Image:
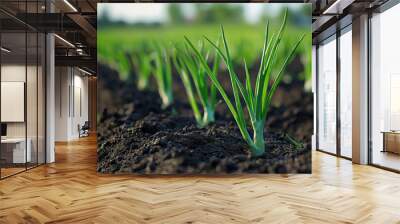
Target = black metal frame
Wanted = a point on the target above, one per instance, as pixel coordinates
(338, 76)
(44, 70)
(369, 115)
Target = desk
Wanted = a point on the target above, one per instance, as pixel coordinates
(391, 141)
(16, 147)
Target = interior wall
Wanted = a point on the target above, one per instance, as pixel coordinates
(71, 102)
(32, 127)
(92, 88)
(80, 102)
(15, 73)
(62, 81)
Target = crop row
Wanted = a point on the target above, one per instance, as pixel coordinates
(198, 65)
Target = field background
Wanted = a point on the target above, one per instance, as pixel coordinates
(244, 38)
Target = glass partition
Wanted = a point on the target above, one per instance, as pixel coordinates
(13, 109)
(327, 95)
(22, 77)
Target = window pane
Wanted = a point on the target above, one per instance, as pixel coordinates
(345, 94)
(385, 114)
(327, 96)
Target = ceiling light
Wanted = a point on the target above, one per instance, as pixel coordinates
(5, 50)
(330, 8)
(79, 51)
(84, 71)
(64, 40)
(70, 5)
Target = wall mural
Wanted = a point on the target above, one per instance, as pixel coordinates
(187, 88)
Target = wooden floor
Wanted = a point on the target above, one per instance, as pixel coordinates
(10, 171)
(386, 159)
(70, 191)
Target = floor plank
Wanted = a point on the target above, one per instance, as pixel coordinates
(70, 191)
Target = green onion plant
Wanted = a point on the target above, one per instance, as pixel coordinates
(191, 71)
(122, 64)
(163, 75)
(244, 49)
(257, 99)
(143, 69)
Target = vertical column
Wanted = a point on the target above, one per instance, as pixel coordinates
(50, 92)
(360, 90)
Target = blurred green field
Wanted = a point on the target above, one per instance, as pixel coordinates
(127, 37)
(245, 40)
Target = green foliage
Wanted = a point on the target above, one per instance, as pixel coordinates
(217, 13)
(117, 59)
(163, 75)
(122, 64)
(244, 50)
(191, 71)
(141, 61)
(105, 18)
(306, 57)
(143, 69)
(175, 13)
(256, 101)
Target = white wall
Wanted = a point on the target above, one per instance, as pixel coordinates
(15, 72)
(62, 82)
(80, 94)
(33, 126)
(70, 83)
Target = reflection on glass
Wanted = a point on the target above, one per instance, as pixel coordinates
(15, 151)
(22, 92)
(385, 84)
(346, 94)
(327, 96)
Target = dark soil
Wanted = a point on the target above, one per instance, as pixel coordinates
(292, 112)
(136, 136)
(169, 144)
